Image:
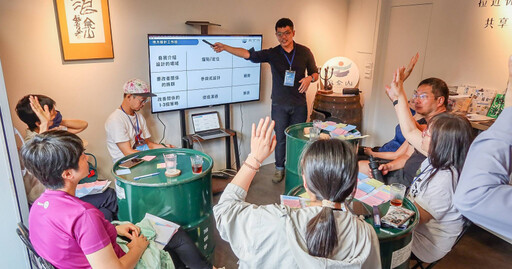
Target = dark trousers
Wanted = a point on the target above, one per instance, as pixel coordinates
(285, 116)
(106, 202)
(184, 252)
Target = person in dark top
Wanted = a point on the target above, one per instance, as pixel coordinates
(289, 62)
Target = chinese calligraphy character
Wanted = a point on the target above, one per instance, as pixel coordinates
(489, 23)
(89, 26)
(503, 22)
(85, 7)
(77, 20)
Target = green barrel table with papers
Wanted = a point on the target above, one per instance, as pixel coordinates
(296, 141)
(185, 199)
(395, 244)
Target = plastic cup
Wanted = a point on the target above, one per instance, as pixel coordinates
(397, 194)
(314, 133)
(197, 164)
(170, 164)
(317, 123)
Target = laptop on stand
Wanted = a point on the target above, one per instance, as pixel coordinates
(207, 125)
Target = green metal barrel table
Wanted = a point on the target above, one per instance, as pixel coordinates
(185, 199)
(296, 141)
(295, 144)
(395, 244)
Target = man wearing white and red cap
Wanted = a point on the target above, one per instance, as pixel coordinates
(127, 131)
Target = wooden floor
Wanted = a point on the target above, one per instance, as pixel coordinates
(477, 249)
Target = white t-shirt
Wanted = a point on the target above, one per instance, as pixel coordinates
(120, 127)
(434, 239)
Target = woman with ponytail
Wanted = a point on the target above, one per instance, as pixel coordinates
(319, 236)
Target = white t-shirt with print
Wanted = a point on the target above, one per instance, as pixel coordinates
(434, 239)
(120, 128)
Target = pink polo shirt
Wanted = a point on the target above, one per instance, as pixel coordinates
(63, 229)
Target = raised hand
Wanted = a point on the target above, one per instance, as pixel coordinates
(263, 142)
(411, 65)
(43, 114)
(396, 87)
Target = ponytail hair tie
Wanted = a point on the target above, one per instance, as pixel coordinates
(327, 203)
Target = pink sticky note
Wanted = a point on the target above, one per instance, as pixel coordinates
(382, 195)
(330, 123)
(337, 131)
(148, 158)
(372, 201)
(359, 194)
(292, 203)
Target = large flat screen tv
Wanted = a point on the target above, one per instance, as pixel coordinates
(185, 72)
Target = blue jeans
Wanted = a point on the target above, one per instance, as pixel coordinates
(285, 116)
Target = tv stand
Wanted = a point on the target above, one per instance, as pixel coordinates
(187, 141)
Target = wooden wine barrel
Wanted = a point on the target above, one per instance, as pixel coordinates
(339, 108)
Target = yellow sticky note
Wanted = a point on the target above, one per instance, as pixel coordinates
(374, 182)
(160, 166)
(304, 195)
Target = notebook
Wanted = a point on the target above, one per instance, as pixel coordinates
(207, 125)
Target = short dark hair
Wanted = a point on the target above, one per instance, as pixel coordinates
(330, 169)
(49, 154)
(25, 112)
(439, 88)
(283, 22)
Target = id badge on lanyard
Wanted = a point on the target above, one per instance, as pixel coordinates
(289, 75)
(289, 78)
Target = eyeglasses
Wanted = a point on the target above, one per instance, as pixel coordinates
(142, 100)
(425, 133)
(280, 34)
(422, 96)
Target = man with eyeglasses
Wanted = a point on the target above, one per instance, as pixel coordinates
(127, 131)
(429, 99)
(289, 62)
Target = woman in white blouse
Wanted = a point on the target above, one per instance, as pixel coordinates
(445, 142)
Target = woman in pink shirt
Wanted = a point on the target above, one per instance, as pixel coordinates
(71, 233)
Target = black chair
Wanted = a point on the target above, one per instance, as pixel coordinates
(37, 261)
(419, 263)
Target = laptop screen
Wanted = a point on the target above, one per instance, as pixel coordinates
(205, 121)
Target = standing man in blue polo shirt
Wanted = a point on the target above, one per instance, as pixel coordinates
(288, 63)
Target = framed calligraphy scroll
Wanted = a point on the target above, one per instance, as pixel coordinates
(84, 27)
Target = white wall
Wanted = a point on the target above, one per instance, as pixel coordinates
(91, 90)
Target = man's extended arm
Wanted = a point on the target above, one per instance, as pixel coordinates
(240, 52)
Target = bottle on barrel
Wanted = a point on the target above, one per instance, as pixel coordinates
(376, 173)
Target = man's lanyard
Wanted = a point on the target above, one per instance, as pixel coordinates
(136, 120)
(288, 59)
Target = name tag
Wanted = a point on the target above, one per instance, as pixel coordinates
(289, 78)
